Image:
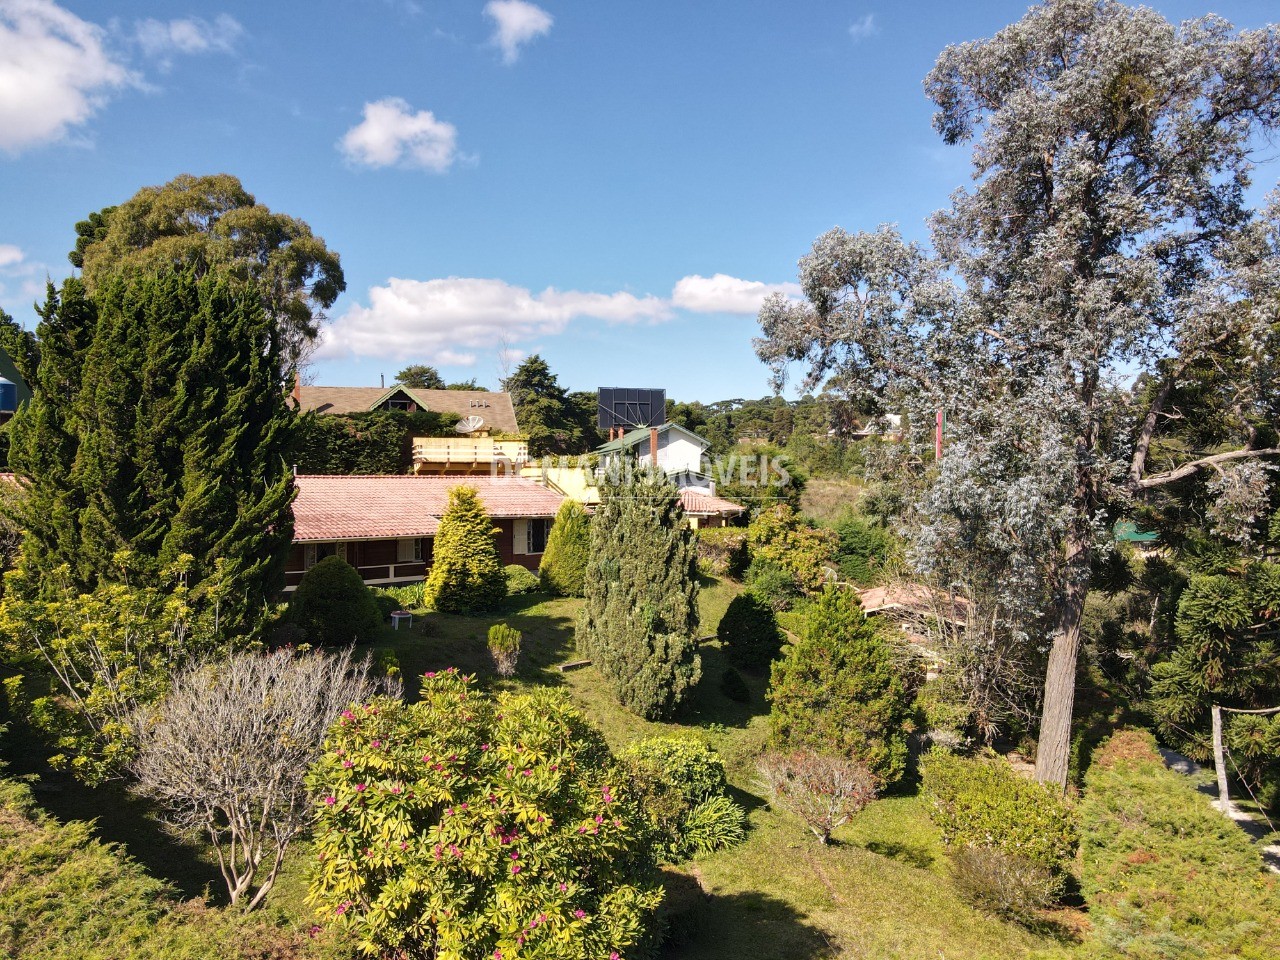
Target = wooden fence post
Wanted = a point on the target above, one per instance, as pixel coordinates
(1220, 761)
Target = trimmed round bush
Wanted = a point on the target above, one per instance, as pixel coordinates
(334, 606)
(749, 632)
(520, 579)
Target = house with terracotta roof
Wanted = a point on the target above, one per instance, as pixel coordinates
(385, 525)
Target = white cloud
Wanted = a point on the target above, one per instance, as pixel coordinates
(515, 24)
(863, 27)
(10, 255)
(392, 134)
(448, 319)
(160, 38)
(725, 294)
(55, 72)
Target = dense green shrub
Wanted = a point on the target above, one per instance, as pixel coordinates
(1165, 874)
(564, 562)
(749, 632)
(787, 539)
(734, 687)
(65, 894)
(681, 786)
(982, 802)
(776, 586)
(863, 548)
(836, 689)
(409, 596)
(723, 551)
(640, 619)
(377, 441)
(504, 647)
(520, 579)
(466, 571)
(334, 606)
(472, 827)
(387, 603)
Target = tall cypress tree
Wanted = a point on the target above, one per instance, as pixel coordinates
(641, 612)
(159, 425)
(44, 436)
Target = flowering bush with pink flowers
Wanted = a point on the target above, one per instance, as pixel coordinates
(465, 827)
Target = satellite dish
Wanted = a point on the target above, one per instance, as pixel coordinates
(469, 424)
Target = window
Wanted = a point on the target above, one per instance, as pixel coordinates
(537, 535)
(313, 553)
(409, 550)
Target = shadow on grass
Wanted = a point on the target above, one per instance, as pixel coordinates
(914, 855)
(708, 926)
(707, 705)
(117, 816)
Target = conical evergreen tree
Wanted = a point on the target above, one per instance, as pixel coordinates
(466, 569)
(836, 689)
(564, 563)
(641, 613)
(159, 425)
(44, 436)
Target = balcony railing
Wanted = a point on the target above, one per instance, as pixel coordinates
(467, 452)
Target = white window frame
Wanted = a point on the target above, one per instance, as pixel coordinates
(409, 550)
(546, 535)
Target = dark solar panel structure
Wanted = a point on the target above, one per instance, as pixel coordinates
(629, 408)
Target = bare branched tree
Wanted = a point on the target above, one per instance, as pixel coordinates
(824, 791)
(227, 752)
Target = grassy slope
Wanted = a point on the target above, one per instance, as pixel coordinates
(881, 892)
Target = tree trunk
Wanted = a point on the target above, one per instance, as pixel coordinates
(1053, 751)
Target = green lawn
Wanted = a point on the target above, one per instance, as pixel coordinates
(881, 891)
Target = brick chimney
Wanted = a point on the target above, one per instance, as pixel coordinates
(653, 446)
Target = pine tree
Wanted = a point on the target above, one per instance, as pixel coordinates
(466, 572)
(552, 422)
(836, 689)
(158, 425)
(564, 564)
(641, 612)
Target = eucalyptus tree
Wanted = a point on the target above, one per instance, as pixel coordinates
(1106, 234)
(212, 222)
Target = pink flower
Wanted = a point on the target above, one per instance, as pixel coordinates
(515, 854)
(515, 868)
(376, 744)
(330, 801)
(484, 746)
(528, 773)
(347, 764)
(497, 955)
(614, 955)
(361, 788)
(429, 674)
(564, 887)
(579, 913)
(347, 715)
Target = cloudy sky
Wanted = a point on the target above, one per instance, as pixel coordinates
(615, 185)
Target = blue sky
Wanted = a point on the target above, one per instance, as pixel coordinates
(612, 185)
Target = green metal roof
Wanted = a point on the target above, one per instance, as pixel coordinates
(641, 435)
